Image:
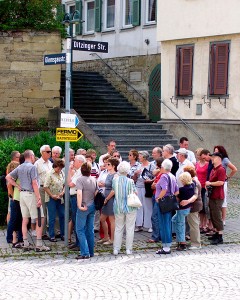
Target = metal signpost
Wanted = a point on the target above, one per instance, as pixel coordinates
(68, 133)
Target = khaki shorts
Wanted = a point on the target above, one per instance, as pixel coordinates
(28, 205)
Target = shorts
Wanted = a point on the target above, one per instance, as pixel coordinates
(28, 205)
(9, 206)
(225, 187)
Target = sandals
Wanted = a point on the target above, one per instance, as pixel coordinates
(53, 240)
(151, 241)
(102, 241)
(161, 251)
(108, 243)
(18, 245)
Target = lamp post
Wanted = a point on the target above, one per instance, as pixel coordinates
(69, 20)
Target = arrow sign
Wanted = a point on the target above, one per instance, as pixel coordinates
(68, 134)
(91, 46)
(69, 120)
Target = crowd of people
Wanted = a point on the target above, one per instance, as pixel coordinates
(36, 189)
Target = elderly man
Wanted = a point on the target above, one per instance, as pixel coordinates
(56, 153)
(216, 196)
(182, 155)
(111, 146)
(30, 199)
(184, 143)
(44, 165)
(168, 152)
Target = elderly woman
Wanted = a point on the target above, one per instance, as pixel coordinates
(54, 187)
(134, 164)
(178, 220)
(144, 214)
(125, 216)
(167, 185)
(193, 217)
(86, 189)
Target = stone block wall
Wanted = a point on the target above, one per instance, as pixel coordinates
(28, 89)
(134, 69)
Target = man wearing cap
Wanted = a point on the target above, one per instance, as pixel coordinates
(182, 155)
(216, 197)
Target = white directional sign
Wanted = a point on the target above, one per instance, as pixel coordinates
(69, 120)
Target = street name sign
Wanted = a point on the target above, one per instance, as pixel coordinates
(55, 59)
(68, 134)
(69, 120)
(91, 46)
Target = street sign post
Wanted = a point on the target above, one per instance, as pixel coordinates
(69, 120)
(55, 59)
(90, 46)
(68, 134)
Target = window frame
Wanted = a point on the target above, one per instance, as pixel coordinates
(214, 91)
(85, 11)
(180, 74)
(123, 14)
(104, 16)
(147, 8)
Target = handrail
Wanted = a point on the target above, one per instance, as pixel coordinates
(184, 122)
(119, 76)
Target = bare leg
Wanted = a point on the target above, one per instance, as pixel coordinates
(104, 226)
(112, 222)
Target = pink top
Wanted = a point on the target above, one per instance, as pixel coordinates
(202, 173)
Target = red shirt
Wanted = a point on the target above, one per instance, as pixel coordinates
(202, 172)
(217, 174)
(156, 181)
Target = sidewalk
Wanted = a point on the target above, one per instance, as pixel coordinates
(231, 233)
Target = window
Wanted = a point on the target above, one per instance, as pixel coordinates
(218, 68)
(184, 71)
(131, 13)
(150, 11)
(89, 17)
(109, 14)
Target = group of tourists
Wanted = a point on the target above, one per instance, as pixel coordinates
(36, 189)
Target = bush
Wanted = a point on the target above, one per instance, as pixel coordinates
(34, 143)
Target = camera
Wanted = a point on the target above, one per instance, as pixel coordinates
(209, 190)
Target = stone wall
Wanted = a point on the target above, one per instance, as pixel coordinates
(28, 88)
(134, 69)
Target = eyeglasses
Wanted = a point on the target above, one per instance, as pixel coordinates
(49, 151)
(116, 156)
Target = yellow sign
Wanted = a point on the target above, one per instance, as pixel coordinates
(68, 134)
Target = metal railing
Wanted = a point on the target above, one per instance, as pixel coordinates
(190, 127)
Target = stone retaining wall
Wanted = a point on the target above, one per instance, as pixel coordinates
(28, 88)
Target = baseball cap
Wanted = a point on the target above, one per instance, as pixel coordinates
(216, 154)
(181, 151)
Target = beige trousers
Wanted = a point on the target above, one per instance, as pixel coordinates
(194, 222)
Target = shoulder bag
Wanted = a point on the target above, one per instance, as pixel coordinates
(133, 200)
(168, 203)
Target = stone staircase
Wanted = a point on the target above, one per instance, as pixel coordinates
(111, 116)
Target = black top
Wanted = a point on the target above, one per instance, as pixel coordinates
(185, 193)
(175, 165)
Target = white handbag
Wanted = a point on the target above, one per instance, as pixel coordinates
(133, 200)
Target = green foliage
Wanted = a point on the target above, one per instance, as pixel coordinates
(30, 14)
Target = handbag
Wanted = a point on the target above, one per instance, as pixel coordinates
(147, 175)
(133, 200)
(168, 203)
(99, 200)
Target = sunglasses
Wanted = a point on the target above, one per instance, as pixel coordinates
(48, 151)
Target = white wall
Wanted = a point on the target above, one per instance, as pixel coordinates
(179, 19)
(200, 79)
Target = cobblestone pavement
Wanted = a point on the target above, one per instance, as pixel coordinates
(210, 273)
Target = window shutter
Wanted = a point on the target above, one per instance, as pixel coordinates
(178, 55)
(60, 12)
(221, 69)
(136, 12)
(78, 27)
(212, 69)
(186, 65)
(98, 15)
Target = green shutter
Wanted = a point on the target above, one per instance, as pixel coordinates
(60, 12)
(136, 12)
(78, 28)
(98, 15)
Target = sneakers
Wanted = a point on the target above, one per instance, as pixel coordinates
(161, 251)
(181, 247)
(115, 252)
(217, 240)
(150, 230)
(42, 248)
(195, 248)
(128, 252)
(138, 228)
(213, 237)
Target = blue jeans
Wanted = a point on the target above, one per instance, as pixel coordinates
(165, 226)
(155, 221)
(179, 225)
(73, 200)
(85, 230)
(53, 207)
(10, 224)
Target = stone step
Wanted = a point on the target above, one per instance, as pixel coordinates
(123, 126)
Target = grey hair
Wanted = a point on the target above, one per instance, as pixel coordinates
(167, 164)
(79, 151)
(123, 167)
(57, 148)
(169, 148)
(144, 153)
(80, 158)
(43, 148)
(158, 149)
